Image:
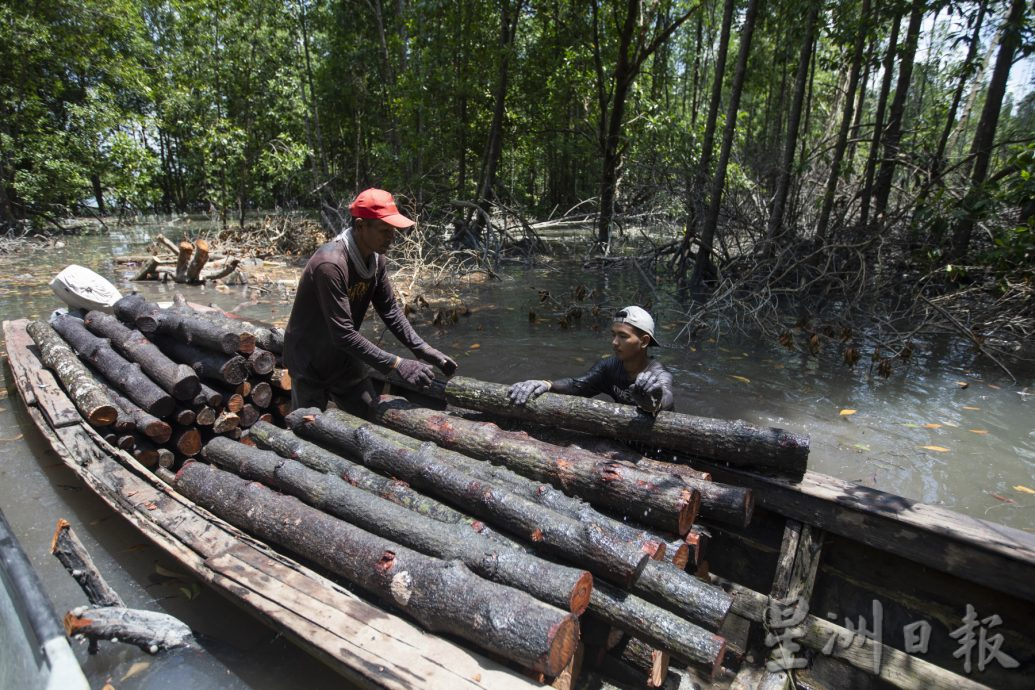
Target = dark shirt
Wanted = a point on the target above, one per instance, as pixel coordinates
(609, 376)
(322, 342)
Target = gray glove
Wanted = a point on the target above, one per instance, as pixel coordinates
(432, 356)
(647, 392)
(415, 373)
(522, 392)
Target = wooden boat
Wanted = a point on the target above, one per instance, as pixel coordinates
(844, 553)
(35, 652)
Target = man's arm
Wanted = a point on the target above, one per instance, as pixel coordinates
(392, 314)
(587, 385)
(331, 284)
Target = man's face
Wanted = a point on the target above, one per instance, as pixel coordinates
(625, 341)
(373, 235)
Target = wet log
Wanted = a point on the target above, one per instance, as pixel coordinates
(657, 627)
(187, 442)
(653, 663)
(216, 366)
(674, 467)
(154, 428)
(444, 596)
(91, 401)
(732, 441)
(663, 501)
(225, 422)
(150, 631)
(681, 592)
(149, 318)
(248, 415)
(67, 548)
(261, 361)
(280, 379)
(184, 251)
(205, 416)
(287, 445)
(430, 469)
(197, 261)
(261, 395)
(127, 377)
(562, 586)
(179, 380)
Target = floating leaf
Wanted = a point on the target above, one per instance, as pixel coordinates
(137, 667)
(954, 425)
(742, 379)
(936, 449)
(962, 384)
(846, 412)
(475, 346)
(1004, 499)
(860, 446)
(993, 386)
(911, 425)
(1023, 489)
(932, 425)
(970, 407)
(980, 432)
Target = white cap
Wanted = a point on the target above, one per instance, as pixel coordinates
(638, 317)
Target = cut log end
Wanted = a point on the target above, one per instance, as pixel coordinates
(681, 556)
(563, 640)
(105, 415)
(689, 512)
(62, 525)
(580, 594)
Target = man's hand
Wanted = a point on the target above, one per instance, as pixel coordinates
(415, 373)
(522, 392)
(647, 392)
(432, 356)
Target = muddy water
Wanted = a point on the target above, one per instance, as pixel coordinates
(987, 431)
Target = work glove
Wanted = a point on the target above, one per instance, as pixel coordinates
(430, 355)
(647, 392)
(415, 373)
(522, 392)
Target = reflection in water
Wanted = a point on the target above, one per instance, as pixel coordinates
(986, 428)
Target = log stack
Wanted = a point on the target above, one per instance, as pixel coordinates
(501, 539)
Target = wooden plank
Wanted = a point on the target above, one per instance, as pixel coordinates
(363, 642)
(992, 555)
(30, 375)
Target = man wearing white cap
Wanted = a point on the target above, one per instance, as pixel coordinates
(324, 351)
(629, 376)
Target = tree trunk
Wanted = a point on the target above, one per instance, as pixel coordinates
(555, 584)
(229, 369)
(655, 499)
(198, 260)
(878, 123)
(735, 442)
(183, 261)
(179, 380)
(125, 375)
(702, 266)
(984, 136)
(430, 469)
(783, 184)
(444, 596)
(893, 132)
(841, 144)
(151, 319)
(91, 401)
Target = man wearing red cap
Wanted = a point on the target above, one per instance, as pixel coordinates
(323, 348)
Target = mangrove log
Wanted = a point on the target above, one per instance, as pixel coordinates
(91, 401)
(205, 416)
(261, 361)
(653, 663)
(560, 585)
(261, 395)
(124, 375)
(184, 251)
(151, 319)
(178, 379)
(207, 395)
(248, 415)
(663, 501)
(734, 441)
(150, 631)
(280, 379)
(187, 442)
(225, 422)
(71, 553)
(216, 366)
(444, 596)
(429, 469)
(155, 429)
(197, 262)
(270, 339)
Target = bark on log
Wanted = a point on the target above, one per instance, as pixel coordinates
(65, 545)
(664, 501)
(287, 445)
(546, 495)
(178, 379)
(262, 361)
(91, 401)
(198, 261)
(653, 663)
(216, 366)
(684, 594)
(150, 319)
(562, 586)
(270, 339)
(603, 553)
(444, 596)
(150, 631)
(208, 396)
(124, 375)
(732, 441)
(656, 626)
(681, 470)
(184, 251)
(261, 395)
(154, 428)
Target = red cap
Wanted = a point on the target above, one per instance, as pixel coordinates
(377, 203)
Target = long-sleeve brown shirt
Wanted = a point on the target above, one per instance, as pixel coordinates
(322, 342)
